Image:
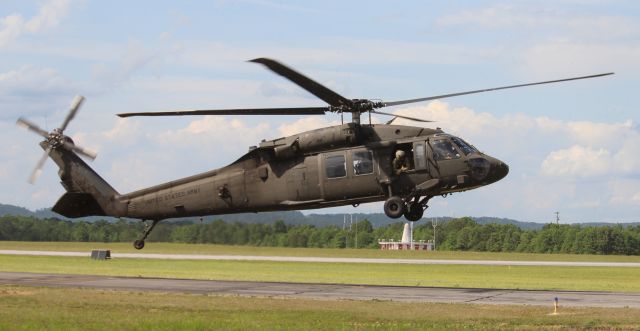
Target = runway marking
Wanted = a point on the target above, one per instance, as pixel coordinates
(329, 259)
(328, 291)
(488, 297)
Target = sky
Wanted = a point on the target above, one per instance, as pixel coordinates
(572, 147)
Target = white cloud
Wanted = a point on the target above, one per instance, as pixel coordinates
(305, 124)
(577, 161)
(124, 130)
(12, 26)
(624, 192)
(602, 149)
(31, 90)
(49, 15)
(29, 80)
(554, 57)
(213, 136)
(558, 148)
(600, 134)
(554, 39)
(134, 58)
(534, 17)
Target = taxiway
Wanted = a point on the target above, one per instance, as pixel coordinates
(328, 291)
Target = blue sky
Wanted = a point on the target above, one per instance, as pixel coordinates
(571, 147)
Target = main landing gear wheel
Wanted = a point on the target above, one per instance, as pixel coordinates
(413, 212)
(394, 207)
(138, 244)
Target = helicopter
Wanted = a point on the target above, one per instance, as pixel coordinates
(346, 164)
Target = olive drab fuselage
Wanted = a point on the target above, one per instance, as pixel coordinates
(333, 166)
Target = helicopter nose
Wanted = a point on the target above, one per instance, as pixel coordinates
(499, 169)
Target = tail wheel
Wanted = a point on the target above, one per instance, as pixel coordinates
(394, 207)
(413, 212)
(138, 244)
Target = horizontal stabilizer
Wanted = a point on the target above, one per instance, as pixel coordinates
(75, 205)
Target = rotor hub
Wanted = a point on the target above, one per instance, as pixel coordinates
(55, 138)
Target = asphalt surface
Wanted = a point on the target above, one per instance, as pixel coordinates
(328, 259)
(328, 291)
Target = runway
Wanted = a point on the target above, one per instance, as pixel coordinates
(328, 291)
(328, 259)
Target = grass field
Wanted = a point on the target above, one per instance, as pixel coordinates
(32, 308)
(512, 277)
(171, 248)
(29, 308)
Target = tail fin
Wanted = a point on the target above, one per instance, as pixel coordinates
(87, 193)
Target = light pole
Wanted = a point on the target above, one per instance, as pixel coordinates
(411, 234)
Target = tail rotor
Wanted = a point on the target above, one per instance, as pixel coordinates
(56, 138)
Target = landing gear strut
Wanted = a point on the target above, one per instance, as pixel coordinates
(415, 209)
(139, 244)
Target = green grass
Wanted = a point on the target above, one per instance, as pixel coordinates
(29, 308)
(172, 248)
(512, 277)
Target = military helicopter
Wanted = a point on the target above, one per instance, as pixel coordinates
(347, 164)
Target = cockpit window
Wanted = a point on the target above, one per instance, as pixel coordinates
(463, 145)
(444, 150)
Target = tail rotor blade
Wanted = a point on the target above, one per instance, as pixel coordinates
(75, 105)
(82, 151)
(32, 127)
(38, 169)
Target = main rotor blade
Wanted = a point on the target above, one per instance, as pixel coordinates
(248, 111)
(75, 105)
(38, 169)
(30, 126)
(82, 151)
(317, 89)
(402, 102)
(401, 116)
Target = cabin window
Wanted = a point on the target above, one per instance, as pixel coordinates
(336, 166)
(419, 157)
(444, 150)
(362, 163)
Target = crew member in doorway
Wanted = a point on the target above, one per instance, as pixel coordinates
(400, 163)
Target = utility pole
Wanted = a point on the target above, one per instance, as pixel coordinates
(557, 218)
(434, 223)
(344, 228)
(356, 231)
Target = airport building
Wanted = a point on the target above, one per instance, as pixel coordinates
(406, 243)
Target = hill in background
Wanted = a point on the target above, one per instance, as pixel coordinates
(296, 217)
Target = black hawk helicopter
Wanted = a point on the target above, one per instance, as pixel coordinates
(347, 164)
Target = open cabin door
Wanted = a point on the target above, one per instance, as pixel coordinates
(419, 156)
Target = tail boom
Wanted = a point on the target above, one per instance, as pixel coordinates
(88, 194)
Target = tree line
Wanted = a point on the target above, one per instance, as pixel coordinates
(462, 234)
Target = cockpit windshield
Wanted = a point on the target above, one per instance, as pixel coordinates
(463, 146)
(444, 150)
